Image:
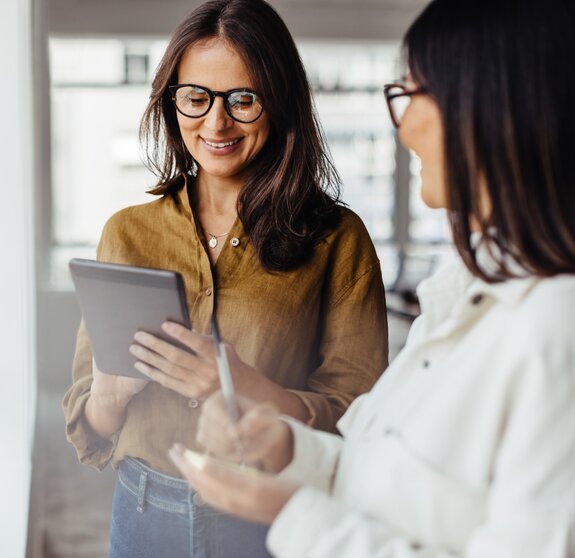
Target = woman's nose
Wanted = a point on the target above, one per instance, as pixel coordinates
(217, 118)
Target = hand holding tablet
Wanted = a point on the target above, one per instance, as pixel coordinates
(119, 300)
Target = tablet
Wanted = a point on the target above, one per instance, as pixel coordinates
(118, 300)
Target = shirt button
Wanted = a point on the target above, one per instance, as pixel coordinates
(208, 292)
(193, 403)
(235, 241)
(426, 364)
(477, 299)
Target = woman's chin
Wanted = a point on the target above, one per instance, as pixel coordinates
(431, 201)
(433, 194)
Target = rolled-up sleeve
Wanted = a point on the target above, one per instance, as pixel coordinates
(91, 448)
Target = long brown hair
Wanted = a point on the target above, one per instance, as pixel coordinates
(499, 72)
(290, 199)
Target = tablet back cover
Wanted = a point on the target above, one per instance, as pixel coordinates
(118, 300)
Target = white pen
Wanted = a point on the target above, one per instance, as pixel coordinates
(225, 374)
(226, 381)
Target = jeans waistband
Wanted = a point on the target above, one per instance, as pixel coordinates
(152, 487)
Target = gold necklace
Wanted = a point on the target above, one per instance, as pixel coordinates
(213, 240)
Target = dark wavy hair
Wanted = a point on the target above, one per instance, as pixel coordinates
(502, 75)
(289, 201)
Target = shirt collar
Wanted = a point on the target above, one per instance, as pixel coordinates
(184, 198)
(509, 291)
(439, 293)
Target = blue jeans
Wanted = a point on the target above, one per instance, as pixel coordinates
(157, 516)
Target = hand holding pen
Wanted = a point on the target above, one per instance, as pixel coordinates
(266, 439)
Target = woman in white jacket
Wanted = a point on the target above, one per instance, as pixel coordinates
(466, 446)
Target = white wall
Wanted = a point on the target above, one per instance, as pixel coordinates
(17, 368)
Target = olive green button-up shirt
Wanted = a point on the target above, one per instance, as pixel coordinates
(319, 330)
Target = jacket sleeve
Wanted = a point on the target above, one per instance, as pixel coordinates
(530, 510)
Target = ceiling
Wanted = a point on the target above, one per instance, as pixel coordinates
(344, 19)
(395, 4)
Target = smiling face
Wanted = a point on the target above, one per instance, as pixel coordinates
(222, 147)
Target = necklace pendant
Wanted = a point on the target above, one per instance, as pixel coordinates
(213, 242)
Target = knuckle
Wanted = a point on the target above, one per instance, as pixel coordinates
(206, 384)
(161, 379)
(169, 370)
(185, 335)
(172, 353)
(204, 346)
(153, 360)
(180, 359)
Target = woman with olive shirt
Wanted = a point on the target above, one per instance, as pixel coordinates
(245, 215)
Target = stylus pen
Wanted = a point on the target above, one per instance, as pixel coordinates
(225, 374)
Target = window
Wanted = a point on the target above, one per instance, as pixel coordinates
(100, 87)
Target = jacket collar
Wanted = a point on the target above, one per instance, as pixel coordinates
(454, 283)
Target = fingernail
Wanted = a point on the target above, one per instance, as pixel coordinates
(195, 459)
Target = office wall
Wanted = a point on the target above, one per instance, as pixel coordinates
(367, 19)
(17, 392)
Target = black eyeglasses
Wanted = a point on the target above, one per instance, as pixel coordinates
(195, 101)
(398, 97)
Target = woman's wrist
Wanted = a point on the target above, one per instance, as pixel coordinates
(258, 387)
(105, 413)
(282, 453)
(110, 401)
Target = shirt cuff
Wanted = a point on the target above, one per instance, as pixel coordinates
(90, 448)
(316, 455)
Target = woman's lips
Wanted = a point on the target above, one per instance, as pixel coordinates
(221, 146)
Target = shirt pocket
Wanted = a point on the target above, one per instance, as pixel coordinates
(386, 478)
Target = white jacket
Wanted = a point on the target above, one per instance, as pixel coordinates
(466, 445)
